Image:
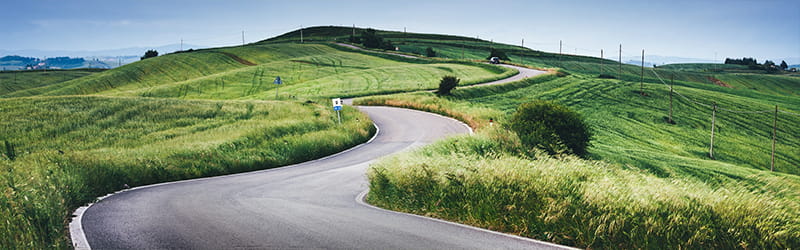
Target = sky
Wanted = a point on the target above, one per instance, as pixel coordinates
(763, 29)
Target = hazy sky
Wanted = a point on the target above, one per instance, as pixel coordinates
(764, 29)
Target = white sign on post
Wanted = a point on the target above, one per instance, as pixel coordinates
(337, 105)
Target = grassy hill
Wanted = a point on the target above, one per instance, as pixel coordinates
(641, 166)
(70, 136)
(308, 71)
(14, 81)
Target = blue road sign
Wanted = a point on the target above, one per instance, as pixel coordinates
(337, 108)
(278, 80)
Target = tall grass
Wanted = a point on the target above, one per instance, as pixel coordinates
(72, 149)
(13, 81)
(484, 180)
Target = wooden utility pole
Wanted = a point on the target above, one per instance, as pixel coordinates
(559, 51)
(521, 55)
(671, 82)
(619, 74)
(354, 30)
(641, 83)
(713, 123)
(301, 34)
(601, 62)
(462, 50)
(774, 137)
(242, 37)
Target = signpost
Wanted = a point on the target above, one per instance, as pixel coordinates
(279, 82)
(337, 105)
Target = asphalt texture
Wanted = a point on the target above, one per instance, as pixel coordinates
(310, 205)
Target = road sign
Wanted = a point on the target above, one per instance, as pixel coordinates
(278, 80)
(337, 105)
(337, 102)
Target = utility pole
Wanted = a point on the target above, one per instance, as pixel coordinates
(462, 49)
(713, 122)
(354, 30)
(671, 82)
(619, 75)
(521, 55)
(641, 83)
(774, 137)
(559, 51)
(601, 62)
(301, 33)
(242, 37)
(181, 44)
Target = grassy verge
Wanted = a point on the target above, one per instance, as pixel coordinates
(69, 150)
(484, 180)
(651, 184)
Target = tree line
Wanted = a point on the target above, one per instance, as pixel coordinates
(752, 63)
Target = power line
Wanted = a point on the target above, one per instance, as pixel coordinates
(718, 108)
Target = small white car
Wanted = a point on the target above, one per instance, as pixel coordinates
(494, 60)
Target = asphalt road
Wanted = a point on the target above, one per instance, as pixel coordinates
(308, 206)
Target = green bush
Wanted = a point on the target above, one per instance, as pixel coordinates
(429, 52)
(551, 127)
(447, 84)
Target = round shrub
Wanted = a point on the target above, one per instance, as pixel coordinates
(551, 127)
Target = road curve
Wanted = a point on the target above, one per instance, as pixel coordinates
(309, 205)
(523, 72)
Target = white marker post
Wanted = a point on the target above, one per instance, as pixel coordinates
(279, 82)
(337, 105)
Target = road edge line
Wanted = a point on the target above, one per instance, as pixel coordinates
(360, 199)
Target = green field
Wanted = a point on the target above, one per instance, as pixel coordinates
(73, 135)
(307, 70)
(13, 81)
(68, 150)
(640, 166)
(76, 135)
(638, 153)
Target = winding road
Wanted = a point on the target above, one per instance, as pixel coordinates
(312, 205)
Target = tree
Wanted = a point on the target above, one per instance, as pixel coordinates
(551, 127)
(370, 39)
(429, 52)
(499, 54)
(784, 66)
(447, 84)
(149, 54)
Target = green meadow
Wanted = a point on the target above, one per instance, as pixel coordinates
(64, 151)
(70, 136)
(646, 184)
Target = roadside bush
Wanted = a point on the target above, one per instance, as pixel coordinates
(429, 52)
(447, 84)
(551, 127)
